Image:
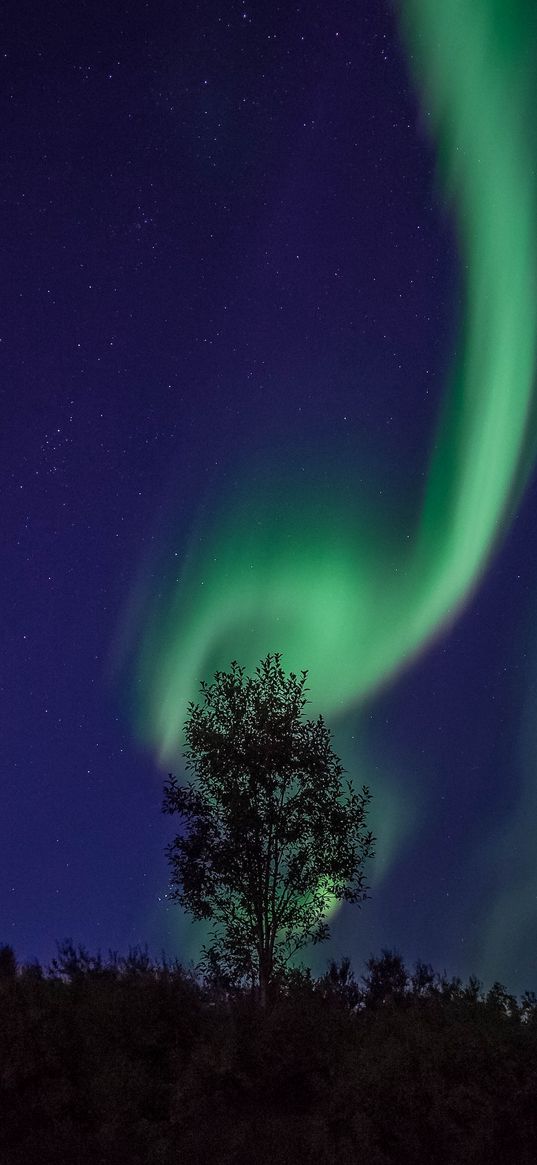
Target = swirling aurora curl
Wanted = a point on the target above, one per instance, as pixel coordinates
(349, 599)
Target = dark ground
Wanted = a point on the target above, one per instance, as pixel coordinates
(129, 1060)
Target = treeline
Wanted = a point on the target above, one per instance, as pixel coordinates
(132, 1060)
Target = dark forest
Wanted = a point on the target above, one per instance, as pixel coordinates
(128, 1059)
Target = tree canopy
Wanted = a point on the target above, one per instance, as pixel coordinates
(274, 836)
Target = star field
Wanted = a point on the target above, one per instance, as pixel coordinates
(221, 236)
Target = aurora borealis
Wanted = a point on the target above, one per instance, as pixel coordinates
(298, 570)
(295, 568)
(279, 307)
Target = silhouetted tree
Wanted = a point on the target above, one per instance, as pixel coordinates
(274, 835)
(339, 984)
(8, 962)
(387, 980)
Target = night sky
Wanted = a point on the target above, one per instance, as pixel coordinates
(233, 284)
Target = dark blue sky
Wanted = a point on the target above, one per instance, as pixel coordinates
(211, 216)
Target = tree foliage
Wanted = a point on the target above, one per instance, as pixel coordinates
(128, 1059)
(274, 835)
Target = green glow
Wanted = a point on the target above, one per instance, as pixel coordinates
(505, 927)
(334, 586)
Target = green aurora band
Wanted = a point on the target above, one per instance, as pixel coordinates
(299, 568)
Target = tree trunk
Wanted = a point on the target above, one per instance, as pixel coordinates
(265, 974)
